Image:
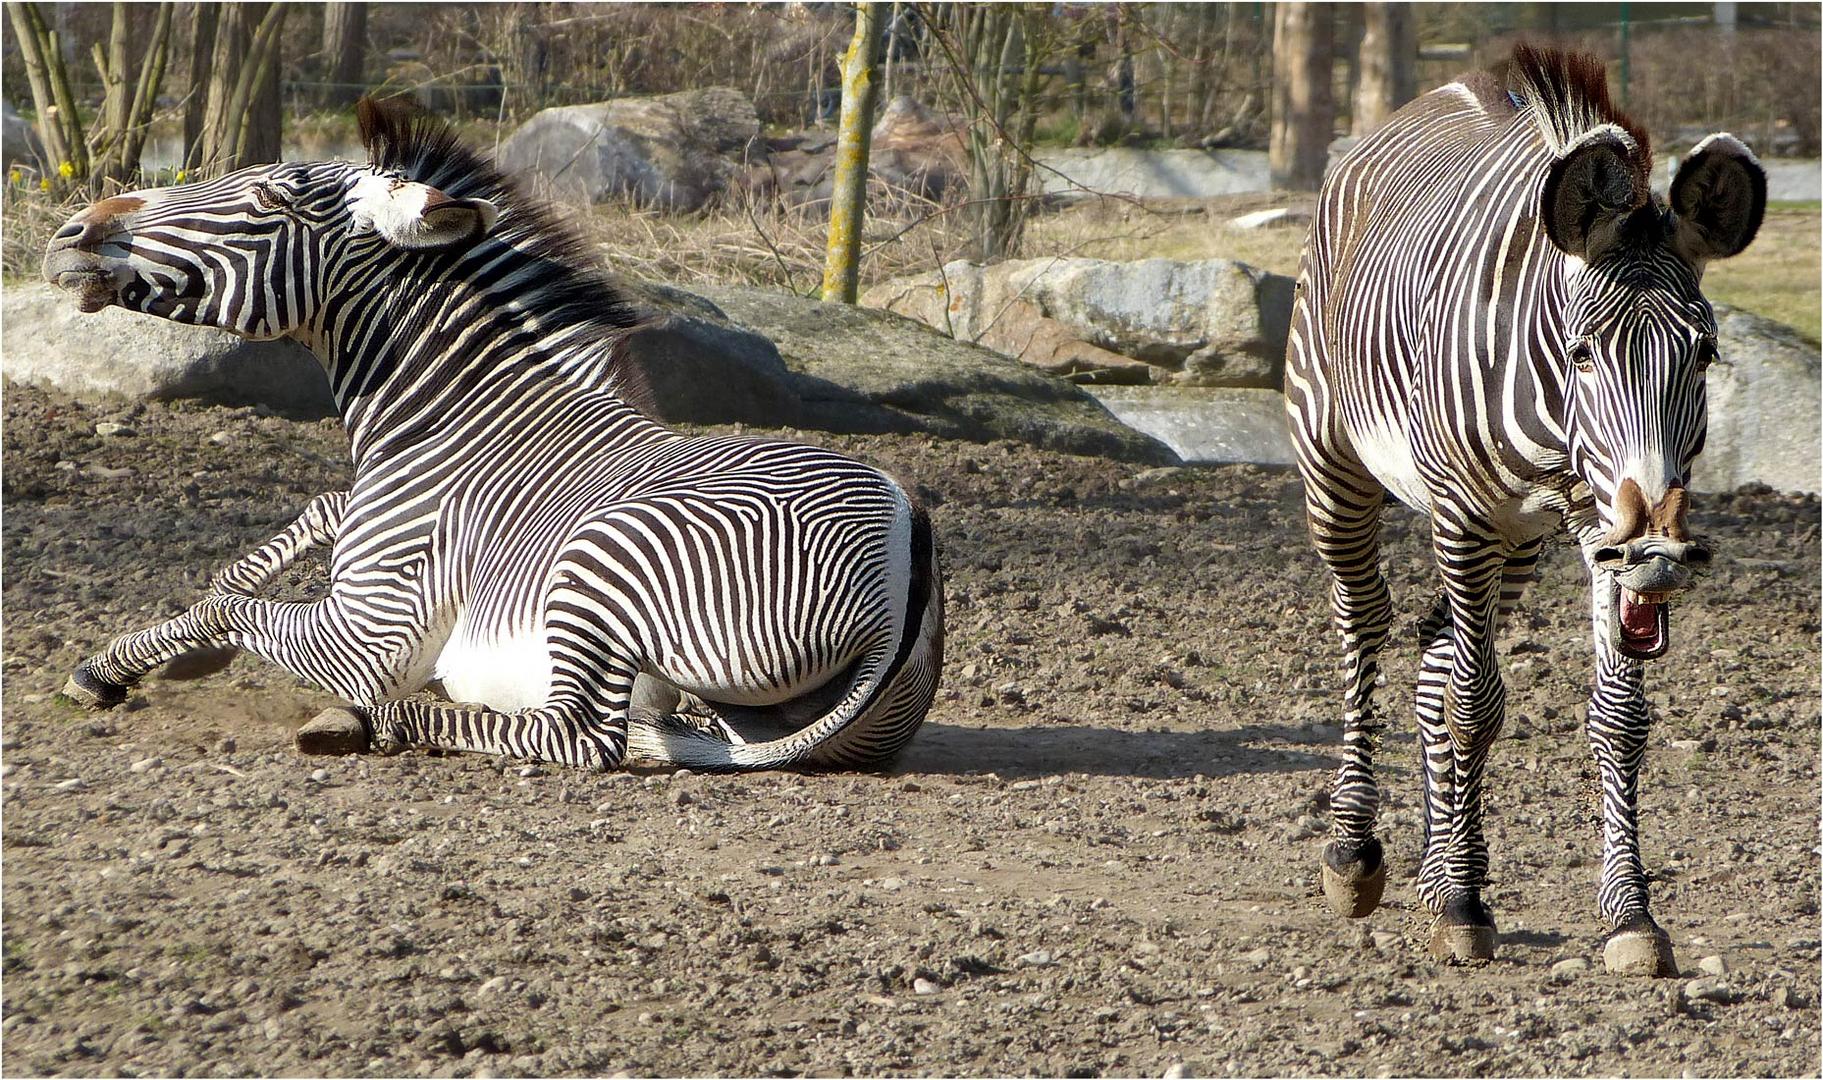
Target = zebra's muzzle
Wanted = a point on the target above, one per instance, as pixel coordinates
(1644, 575)
(84, 274)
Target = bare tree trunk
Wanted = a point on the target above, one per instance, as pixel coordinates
(204, 19)
(243, 78)
(1388, 66)
(126, 112)
(854, 137)
(1303, 114)
(28, 27)
(344, 53)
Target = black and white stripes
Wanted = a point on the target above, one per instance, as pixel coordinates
(518, 531)
(1499, 323)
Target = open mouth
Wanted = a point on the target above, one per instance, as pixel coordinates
(1642, 623)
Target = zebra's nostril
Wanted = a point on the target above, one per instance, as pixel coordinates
(69, 232)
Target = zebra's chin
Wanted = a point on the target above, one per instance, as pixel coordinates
(94, 289)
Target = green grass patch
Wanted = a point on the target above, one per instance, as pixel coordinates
(1780, 275)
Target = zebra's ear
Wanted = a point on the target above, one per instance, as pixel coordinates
(418, 217)
(1719, 197)
(1590, 190)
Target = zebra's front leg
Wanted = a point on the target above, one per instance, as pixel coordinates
(319, 523)
(1618, 723)
(359, 651)
(1462, 705)
(1346, 536)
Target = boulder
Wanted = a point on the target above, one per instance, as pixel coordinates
(912, 154)
(45, 340)
(1071, 173)
(675, 151)
(1210, 322)
(1206, 425)
(858, 370)
(18, 140)
(1764, 417)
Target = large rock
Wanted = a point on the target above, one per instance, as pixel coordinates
(1150, 174)
(862, 371)
(1207, 425)
(676, 151)
(1210, 322)
(912, 155)
(44, 339)
(1764, 420)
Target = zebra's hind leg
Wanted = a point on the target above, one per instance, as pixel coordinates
(1344, 507)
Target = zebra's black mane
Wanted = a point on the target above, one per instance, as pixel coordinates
(1568, 93)
(401, 138)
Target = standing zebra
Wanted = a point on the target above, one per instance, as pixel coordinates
(1498, 322)
(517, 531)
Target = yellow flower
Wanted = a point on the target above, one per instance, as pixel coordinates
(44, 184)
(181, 175)
(66, 170)
(13, 177)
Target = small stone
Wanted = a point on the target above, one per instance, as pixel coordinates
(1036, 958)
(102, 472)
(227, 745)
(319, 776)
(892, 884)
(109, 427)
(1383, 939)
(680, 797)
(75, 783)
(1713, 965)
(221, 438)
(493, 985)
(146, 764)
(1574, 965)
(526, 772)
(1709, 988)
(924, 986)
(1177, 1071)
(826, 859)
(1258, 958)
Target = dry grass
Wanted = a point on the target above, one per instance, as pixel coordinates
(26, 225)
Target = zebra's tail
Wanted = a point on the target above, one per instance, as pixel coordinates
(875, 717)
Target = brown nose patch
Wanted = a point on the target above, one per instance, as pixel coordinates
(114, 207)
(1634, 519)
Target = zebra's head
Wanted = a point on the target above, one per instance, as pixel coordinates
(254, 251)
(1638, 338)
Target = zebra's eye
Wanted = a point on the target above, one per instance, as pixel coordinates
(1582, 354)
(1705, 353)
(266, 197)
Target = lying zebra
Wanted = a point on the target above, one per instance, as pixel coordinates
(517, 530)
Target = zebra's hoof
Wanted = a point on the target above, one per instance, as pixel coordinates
(1463, 944)
(1464, 932)
(334, 731)
(1354, 880)
(1639, 948)
(92, 693)
(199, 662)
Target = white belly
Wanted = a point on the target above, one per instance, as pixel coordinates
(502, 671)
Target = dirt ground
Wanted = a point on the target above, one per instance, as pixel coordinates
(1100, 856)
